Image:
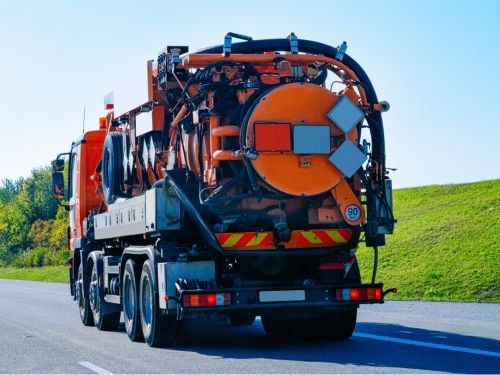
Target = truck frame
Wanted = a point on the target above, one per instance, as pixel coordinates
(163, 229)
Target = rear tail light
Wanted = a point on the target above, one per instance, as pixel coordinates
(359, 294)
(206, 300)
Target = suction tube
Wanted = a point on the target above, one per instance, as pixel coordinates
(307, 46)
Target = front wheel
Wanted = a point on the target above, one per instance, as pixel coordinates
(157, 329)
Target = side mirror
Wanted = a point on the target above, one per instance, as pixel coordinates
(58, 184)
(58, 165)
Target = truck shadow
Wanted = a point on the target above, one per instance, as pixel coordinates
(220, 339)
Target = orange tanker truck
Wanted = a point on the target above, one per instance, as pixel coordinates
(241, 187)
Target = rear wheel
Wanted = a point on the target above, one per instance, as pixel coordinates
(103, 322)
(131, 302)
(83, 303)
(158, 330)
(338, 325)
(242, 320)
(279, 327)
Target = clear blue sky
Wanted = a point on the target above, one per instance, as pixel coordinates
(436, 62)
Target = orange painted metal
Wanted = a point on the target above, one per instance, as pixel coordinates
(300, 239)
(86, 196)
(214, 140)
(221, 155)
(158, 117)
(346, 200)
(226, 131)
(299, 104)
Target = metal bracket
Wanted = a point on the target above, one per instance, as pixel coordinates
(294, 43)
(341, 51)
(228, 42)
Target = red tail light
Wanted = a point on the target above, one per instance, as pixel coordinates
(354, 294)
(206, 300)
(359, 294)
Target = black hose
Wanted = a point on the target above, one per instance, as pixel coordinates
(375, 263)
(307, 46)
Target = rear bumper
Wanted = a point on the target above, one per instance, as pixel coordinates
(261, 301)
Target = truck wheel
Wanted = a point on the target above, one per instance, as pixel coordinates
(131, 302)
(342, 324)
(157, 329)
(103, 322)
(83, 303)
(242, 320)
(339, 325)
(112, 167)
(278, 327)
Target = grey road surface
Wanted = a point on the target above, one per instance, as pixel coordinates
(40, 332)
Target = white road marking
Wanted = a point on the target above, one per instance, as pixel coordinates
(92, 367)
(426, 344)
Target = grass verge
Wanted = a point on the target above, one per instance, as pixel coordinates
(446, 245)
(57, 274)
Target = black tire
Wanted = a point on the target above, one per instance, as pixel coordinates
(112, 167)
(242, 320)
(130, 300)
(279, 327)
(103, 322)
(157, 330)
(338, 325)
(83, 303)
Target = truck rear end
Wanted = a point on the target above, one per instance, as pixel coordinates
(241, 187)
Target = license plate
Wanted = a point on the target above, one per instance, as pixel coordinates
(282, 296)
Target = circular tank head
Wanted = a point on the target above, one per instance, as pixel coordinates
(290, 129)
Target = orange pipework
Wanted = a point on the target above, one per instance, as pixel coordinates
(201, 60)
(226, 131)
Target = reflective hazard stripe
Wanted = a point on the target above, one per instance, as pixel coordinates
(248, 239)
(315, 238)
(324, 237)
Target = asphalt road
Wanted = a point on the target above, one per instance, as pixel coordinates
(40, 332)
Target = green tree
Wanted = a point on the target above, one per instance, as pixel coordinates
(10, 189)
(14, 227)
(36, 199)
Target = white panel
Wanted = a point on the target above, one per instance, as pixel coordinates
(311, 139)
(131, 88)
(282, 296)
(348, 158)
(144, 123)
(345, 114)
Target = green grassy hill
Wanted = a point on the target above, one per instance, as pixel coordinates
(446, 245)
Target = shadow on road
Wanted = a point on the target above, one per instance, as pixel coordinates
(220, 339)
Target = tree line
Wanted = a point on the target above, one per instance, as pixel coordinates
(33, 227)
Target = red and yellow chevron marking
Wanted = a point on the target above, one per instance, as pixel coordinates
(323, 237)
(316, 238)
(246, 240)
